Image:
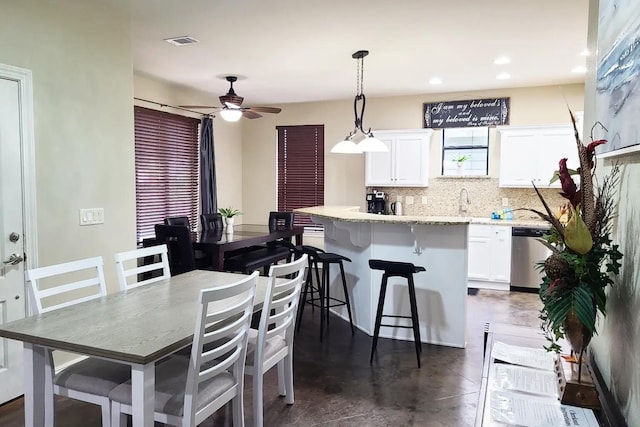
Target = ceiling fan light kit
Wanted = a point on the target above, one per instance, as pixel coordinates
(231, 114)
(370, 143)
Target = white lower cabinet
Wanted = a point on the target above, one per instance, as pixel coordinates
(489, 256)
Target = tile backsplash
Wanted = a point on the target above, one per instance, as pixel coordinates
(442, 197)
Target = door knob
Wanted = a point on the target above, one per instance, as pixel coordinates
(14, 259)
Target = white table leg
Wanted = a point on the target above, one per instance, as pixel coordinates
(34, 386)
(143, 385)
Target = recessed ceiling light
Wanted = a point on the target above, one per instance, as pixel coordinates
(503, 76)
(182, 40)
(585, 52)
(435, 81)
(501, 60)
(579, 69)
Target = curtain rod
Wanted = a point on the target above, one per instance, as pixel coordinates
(171, 106)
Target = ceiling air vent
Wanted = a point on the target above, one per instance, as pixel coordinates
(181, 41)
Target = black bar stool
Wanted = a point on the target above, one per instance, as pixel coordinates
(397, 269)
(318, 256)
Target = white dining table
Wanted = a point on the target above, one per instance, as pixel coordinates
(136, 327)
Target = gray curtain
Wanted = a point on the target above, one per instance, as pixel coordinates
(208, 191)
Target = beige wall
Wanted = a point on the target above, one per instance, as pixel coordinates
(344, 174)
(616, 348)
(80, 56)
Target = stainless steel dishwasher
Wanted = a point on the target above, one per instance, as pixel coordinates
(526, 251)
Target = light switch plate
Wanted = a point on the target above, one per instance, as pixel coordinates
(91, 216)
(424, 200)
(505, 202)
(408, 200)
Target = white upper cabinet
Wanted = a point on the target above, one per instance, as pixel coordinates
(532, 153)
(405, 165)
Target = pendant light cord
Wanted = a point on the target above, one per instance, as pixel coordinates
(360, 98)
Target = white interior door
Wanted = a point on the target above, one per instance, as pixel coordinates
(12, 246)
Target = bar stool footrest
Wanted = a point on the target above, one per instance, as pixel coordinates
(396, 326)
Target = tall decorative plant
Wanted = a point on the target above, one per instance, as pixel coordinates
(583, 256)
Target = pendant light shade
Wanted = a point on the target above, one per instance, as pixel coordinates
(369, 143)
(346, 146)
(230, 114)
(372, 144)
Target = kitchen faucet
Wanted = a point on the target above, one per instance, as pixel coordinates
(463, 203)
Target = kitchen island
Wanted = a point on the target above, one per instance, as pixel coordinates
(437, 243)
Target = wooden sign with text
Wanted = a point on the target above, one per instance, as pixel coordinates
(469, 113)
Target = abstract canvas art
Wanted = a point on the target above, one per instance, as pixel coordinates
(618, 75)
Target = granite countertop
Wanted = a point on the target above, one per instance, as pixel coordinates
(353, 214)
(525, 222)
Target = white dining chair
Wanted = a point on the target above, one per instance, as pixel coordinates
(56, 287)
(190, 389)
(129, 270)
(272, 342)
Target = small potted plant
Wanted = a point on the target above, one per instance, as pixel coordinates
(460, 162)
(228, 214)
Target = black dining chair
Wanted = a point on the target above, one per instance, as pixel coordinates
(178, 220)
(211, 222)
(263, 256)
(178, 241)
(203, 259)
(280, 221)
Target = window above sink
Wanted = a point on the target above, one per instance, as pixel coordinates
(465, 151)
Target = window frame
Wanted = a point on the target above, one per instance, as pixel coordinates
(462, 148)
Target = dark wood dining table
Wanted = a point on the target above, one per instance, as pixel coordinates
(217, 243)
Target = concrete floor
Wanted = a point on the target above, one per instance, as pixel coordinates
(336, 386)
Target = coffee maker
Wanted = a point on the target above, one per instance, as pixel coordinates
(377, 202)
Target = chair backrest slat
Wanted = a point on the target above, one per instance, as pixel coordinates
(155, 271)
(65, 286)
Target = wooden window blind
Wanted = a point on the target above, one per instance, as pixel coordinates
(166, 156)
(300, 169)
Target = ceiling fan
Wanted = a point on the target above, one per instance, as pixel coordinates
(231, 109)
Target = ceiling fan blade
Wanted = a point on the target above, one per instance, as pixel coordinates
(251, 115)
(274, 110)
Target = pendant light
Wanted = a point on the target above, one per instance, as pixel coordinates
(369, 143)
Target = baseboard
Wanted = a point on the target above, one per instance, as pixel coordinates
(494, 286)
(610, 409)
